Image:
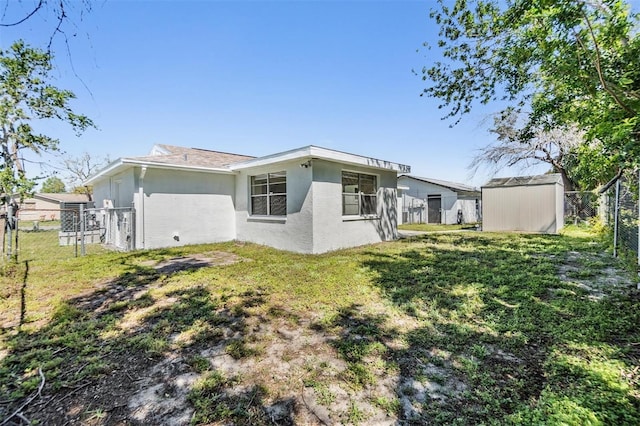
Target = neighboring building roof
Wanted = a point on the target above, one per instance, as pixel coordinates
(62, 197)
(454, 186)
(175, 157)
(552, 178)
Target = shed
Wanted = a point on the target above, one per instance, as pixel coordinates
(524, 203)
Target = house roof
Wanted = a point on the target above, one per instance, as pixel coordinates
(62, 197)
(454, 186)
(175, 157)
(178, 155)
(552, 178)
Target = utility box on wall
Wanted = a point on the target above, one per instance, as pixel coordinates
(524, 204)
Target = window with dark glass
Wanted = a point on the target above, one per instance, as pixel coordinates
(269, 194)
(359, 194)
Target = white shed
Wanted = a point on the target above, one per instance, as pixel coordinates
(524, 203)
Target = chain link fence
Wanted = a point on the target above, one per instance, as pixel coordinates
(617, 208)
(623, 214)
(37, 230)
(114, 227)
(580, 206)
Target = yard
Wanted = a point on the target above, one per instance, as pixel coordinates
(449, 328)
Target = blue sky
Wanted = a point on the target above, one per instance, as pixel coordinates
(257, 78)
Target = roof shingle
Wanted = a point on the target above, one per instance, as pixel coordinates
(181, 156)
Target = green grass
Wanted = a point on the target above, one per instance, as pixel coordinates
(29, 224)
(483, 317)
(435, 227)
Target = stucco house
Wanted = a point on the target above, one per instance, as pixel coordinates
(307, 200)
(49, 206)
(427, 200)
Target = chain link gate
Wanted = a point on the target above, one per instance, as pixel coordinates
(114, 227)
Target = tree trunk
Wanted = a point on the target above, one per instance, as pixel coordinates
(566, 180)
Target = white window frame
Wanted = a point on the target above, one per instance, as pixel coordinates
(268, 195)
(360, 194)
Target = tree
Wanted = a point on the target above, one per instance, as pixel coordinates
(53, 185)
(556, 147)
(25, 98)
(54, 15)
(560, 62)
(80, 168)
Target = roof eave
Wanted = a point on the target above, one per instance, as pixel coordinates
(314, 152)
(123, 164)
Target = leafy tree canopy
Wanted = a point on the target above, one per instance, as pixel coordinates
(557, 62)
(53, 185)
(27, 97)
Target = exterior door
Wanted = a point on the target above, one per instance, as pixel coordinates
(434, 206)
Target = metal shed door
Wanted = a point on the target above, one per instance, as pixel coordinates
(434, 204)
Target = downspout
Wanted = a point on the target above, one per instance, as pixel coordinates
(141, 195)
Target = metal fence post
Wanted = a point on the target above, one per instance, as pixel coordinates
(82, 230)
(615, 219)
(10, 222)
(132, 245)
(74, 228)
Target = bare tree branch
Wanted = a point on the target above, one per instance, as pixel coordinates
(519, 145)
(29, 15)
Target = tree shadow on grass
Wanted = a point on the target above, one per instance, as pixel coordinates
(494, 321)
(121, 354)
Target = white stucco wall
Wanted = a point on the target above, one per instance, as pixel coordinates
(314, 221)
(175, 208)
(181, 207)
(471, 209)
(119, 189)
(291, 232)
(333, 231)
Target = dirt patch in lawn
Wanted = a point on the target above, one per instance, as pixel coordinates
(197, 261)
(594, 275)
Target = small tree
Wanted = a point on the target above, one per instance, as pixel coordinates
(53, 185)
(25, 97)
